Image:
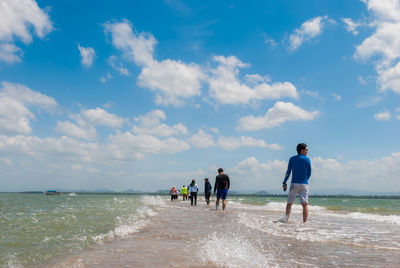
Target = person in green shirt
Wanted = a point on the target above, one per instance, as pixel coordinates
(184, 193)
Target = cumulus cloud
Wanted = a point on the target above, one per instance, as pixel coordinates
(351, 26)
(18, 19)
(87, 56)
(202, 139)
(389, 78)
(15, 115)
(384, 43)
(226, 88)
(151, 124)
(308, 30)
(72, 130)
(172, 81)
(232, 143)
(383, 116)
(10, 53)
(127, 145)
(86, 121)
(280, 113)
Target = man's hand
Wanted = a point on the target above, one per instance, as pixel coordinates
(284, 186)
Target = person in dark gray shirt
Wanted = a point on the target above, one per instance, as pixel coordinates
(222, 184)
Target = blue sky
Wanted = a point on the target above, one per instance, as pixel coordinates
(149, 94)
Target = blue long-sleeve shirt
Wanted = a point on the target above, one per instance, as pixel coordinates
(300, 166)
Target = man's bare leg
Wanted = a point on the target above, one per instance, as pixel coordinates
(305, 212)
(288, 210)
(223, 204)
(216, 204)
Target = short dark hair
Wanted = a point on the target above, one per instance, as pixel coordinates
(220, 170)
(301, 146)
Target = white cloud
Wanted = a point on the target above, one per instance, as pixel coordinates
(9, 53)
(125, 145)
(308, 30)
(151, 124)
(14, 102)
(351, 26)
(119, 67)
(389, 78)
(280, 113)
(383, 116)
(73, 130)
(384, 43)
(51, 149)
(100, 117)
(202, 139)
(87, 120)
(232, 143)
(226, 88)
(269, 41)
(137, 47)
(87, 56)
(173, 81)
(17, 20)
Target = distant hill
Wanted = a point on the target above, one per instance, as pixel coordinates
(131, 191)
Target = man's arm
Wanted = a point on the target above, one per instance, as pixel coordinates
(215, 185)
(288, 171)
(309, 169)
(229, 182)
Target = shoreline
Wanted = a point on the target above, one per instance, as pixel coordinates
(230, 194)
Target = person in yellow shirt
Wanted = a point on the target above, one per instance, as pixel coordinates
(184, 193)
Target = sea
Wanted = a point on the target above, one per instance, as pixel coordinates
(107, 230)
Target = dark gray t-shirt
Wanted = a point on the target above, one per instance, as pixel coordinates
(222, 182)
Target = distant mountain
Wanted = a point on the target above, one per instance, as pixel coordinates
(162, 192)
(131, 191)
(262, 193)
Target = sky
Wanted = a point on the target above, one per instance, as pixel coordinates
(147, 95)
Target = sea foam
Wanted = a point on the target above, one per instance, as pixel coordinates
(234, 251)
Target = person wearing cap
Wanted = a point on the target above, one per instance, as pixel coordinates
(207, 191)
(300, 167)
(221, 186)
(193, 189)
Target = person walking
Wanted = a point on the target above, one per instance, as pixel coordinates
(207, 191)
(184, 193)
(174, 193)
(193, 189)
(222, 184)
(300, 167)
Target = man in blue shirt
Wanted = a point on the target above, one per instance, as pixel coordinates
(300, 167)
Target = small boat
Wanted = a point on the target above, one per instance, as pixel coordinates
(51, 192)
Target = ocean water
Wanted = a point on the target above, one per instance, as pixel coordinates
(91, 230)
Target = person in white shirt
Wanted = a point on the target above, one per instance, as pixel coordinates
(193, 189)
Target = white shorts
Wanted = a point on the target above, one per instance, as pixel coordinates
(301, 189)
